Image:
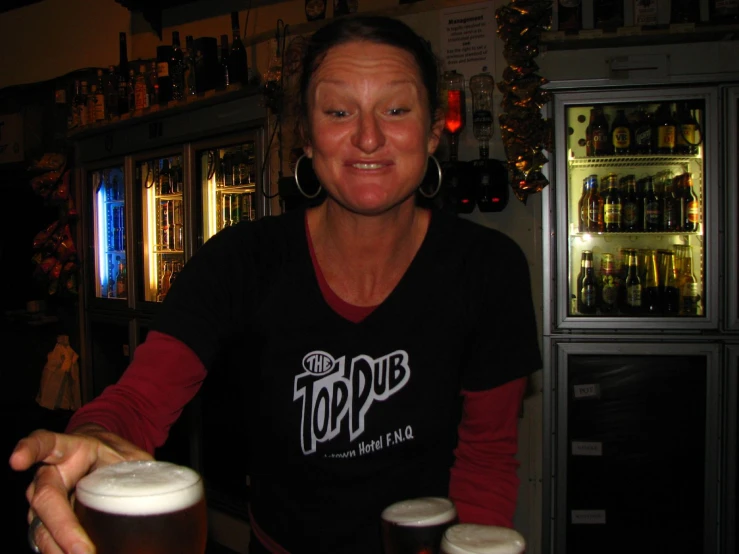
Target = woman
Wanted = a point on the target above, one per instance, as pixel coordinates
(392, 342)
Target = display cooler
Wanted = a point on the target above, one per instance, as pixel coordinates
(155, 188)
(635, 229)
(636, 449)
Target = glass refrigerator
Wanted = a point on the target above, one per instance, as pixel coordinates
(633, 214)
(108, 233)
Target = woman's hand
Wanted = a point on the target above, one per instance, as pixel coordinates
(63, 460)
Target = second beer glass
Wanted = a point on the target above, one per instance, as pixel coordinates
(416, 525)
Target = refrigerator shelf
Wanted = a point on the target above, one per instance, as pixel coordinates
(631, 161)
(236, 189)
(636, 234)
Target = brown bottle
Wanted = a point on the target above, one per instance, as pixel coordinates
(595, 208)
(687, 136)
(664, 130)
(622, 135)
(600, 133)
(691, 207)
(612, 204)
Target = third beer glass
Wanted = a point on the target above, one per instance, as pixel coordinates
(416, 526)
(469, 538)
(143, 506)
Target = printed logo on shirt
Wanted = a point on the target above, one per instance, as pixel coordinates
(337, 393)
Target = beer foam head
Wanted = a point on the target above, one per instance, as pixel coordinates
(418, 512)
(140, 488)
(469, 538)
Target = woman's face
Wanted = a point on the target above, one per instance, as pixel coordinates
(370, 132)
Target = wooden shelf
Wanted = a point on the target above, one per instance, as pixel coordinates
(639, 36)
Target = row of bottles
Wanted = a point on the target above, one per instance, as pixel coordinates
(315, 10)
(117, 285)
(173, 75)
(647, 282)
(672, 128)
(609, 14)
(234, 208)
(237, 167)
(654, 203)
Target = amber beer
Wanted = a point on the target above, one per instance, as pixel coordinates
(470, 538)
(416, 526)
(143, 506)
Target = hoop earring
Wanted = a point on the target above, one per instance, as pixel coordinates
(438, 184)
(297, 180)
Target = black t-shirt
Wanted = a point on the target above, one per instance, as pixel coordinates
(347, 418)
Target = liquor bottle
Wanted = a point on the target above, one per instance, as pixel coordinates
(632, 285)
(140, 90)
(152, 85)
(672, 204)
(671, 292)
(99, 110)
(609, 284)
(621, 134)
(608, 14)
(587, 290)
(455, 114)
(165, 207)
(612, 203)
(111, 94)
(191, 87)
(684, 11)
(664, 130)
(176, 68)
(84, 106)
(724, 11)
(131, 90)
(164, 77)
(652, 294)
(595, 208)
(237, 65)
(569, 15)
(631, 205)
(315, 9)
(687, 136)
(691, 205)
(225, 80)
(689, 287)
(642, 132)
(121, 285)
(92, 103)
(122, 74)
(600, 134)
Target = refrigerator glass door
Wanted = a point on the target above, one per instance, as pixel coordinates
(637, 445)
(635, 226)
(228, 181)
(163, 223)
(731, 165)
(109, 209)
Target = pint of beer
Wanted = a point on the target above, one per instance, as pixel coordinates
(470, 538)
(416, 526)
(143, 506)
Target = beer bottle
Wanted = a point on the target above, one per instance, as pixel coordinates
(621, 134)
(595, 207)
(671, 292)
(687, 136)
(609, 283)
(612, 205)
(652, 295)
(631, 205)
(642, 132)
(690, 287)
(672, 216)
(632, 284)
(165, 186)
(691, 205)
(665, 130)
(651, 206)
(588, 291)
(600, 133)
(582, 207)
(120, 282)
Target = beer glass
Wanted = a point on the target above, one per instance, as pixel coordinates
(415, 526)
(143, 506)
(470, 538)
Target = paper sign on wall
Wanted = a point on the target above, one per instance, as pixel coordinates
(587, 391)
(467, 34)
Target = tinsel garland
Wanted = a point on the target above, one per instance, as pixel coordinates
(524, 131)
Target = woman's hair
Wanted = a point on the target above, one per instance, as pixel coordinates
(377, 29)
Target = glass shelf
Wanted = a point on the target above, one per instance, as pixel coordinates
(632, 160)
